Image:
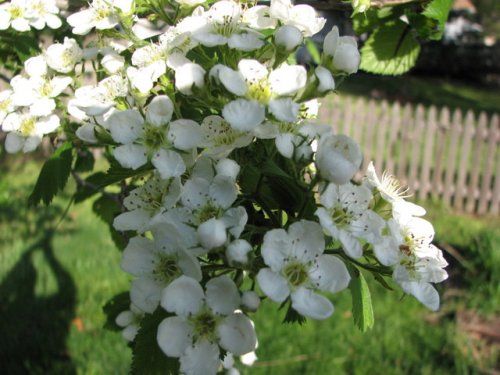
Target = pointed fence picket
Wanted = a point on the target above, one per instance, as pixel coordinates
(448, 155)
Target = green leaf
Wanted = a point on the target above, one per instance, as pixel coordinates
(148, 359)
(53, 175)
(25, 46)
(391, 50)
(438, 10)
(312, 48)
(373, 18)
(106, 208)
(84, 161)
(292, 316)
(362, 309)
(117, 304)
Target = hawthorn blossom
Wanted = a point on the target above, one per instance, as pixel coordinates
(342, 51)
(297, 268)
(204, 322)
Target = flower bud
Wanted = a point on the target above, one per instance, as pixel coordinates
(325, 78)
(338, 158)
(343, 50)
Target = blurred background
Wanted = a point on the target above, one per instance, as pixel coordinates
(437, 129)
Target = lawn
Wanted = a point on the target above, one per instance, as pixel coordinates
(53, 284)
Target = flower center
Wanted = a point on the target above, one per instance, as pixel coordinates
(204, 325)
(166, 269)
(5, 104)
(391, 186)
(296, 273)
(45, 89)
(154, 137)
(16, 12)
(225, 27)
(208, 212)
(259, 91)
(341, 216)
(27, 126)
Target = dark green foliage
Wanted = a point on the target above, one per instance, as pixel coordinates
(53, 176)
(148, 359)
(112, 308)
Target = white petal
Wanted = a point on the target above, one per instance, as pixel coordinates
(223, 191)
(86, 133)
(174, 335)
(326, 80)
(184, 296)
(244, 115)
(233, 81)
(252, 70)
(31, 143)
(284, 144)
(423, 292)
(200, 359)
(160, 110)
(184, 134)
(195, 192)
(284, 109)
(245, 41)
(131, 156)
(222, 295)
(330, 274)
(288, 79)
(126, 126)
(189, 265)
(288, 37)
(168, 163)
(237, 334)
(307, 240)
(145, 294)
(138, 257)
(134, 220)
(275, 248)
(14, 143)
(273, 285)
(311, 305)
(212, 233)
(227, 167)
(350, 244)
(235, 220)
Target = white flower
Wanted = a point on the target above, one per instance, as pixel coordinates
(237, 251)
(343, 50)
(144, 202)
(391, 190)
(97, 100)
(43, 12)
(130, 320)
(257, 17)
(219, 138)
(102, 15)
(26, 131)
(153, 138)
(6, 105)
(14, 14)
(345, 216)
(36, 66)
(156, 264)
(250, 300)
(338, 158)
(303, 17)
(63, 57)
(297, 267)
(203, 321)
(210, 199)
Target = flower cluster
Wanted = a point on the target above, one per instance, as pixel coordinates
(242, 196)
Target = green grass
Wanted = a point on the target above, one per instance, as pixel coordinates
(424, 90)
(53, 286)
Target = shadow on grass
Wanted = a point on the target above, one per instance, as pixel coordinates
(35, 328)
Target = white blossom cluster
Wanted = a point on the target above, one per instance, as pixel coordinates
(184, 105)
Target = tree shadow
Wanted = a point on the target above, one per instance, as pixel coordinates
(33, 328)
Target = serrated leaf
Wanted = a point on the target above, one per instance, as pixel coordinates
(390, 50)
(293, 316)
(148, 359)
(117, 304)
(84, 161)
(362, 309)
(53, 175)
(438, 10)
